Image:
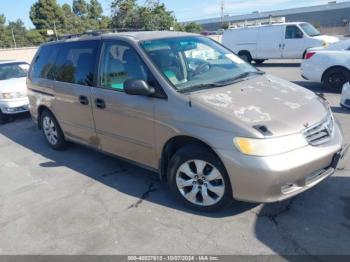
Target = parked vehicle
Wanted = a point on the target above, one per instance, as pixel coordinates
(345, 97)
(329, 66)
(274, 41)
(186, 107)
(13, 90)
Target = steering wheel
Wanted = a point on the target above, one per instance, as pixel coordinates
(202, 68)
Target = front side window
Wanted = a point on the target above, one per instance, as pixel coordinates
(309, 29)
(194, 63)
(13, 70)
(120, 62)
(293, 32)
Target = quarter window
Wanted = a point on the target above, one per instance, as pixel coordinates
(120, 62)
(293, 32)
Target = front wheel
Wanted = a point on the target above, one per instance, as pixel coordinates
(335, 78)
(199, 180)
(52, 131)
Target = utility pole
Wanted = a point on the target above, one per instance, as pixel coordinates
(222, 12)
(54, 28)
(13, 37)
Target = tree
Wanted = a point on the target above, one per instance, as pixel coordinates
(193, 27)
(225, 25)
(34, 37)
(46, 14)
(157, 17)
(151, 16)
(80, 8)
(5, 37)
(18, 32)
(125, 14)
(72, 23)
(95, 10)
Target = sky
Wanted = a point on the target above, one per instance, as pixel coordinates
(184, 10)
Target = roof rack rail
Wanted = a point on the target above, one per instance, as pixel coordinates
(256, 22)
(97, 33)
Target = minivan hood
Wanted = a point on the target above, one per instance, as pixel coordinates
(13, 85)
(283, 107)
(326, 38)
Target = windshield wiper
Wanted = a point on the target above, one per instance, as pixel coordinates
(230, 81)
(199, 87)
(239, 78)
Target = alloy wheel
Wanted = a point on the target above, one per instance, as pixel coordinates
(200, 182)
(50, 130)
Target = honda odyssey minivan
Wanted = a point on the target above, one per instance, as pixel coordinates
(186, 107)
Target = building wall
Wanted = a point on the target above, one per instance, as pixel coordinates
(331, 21)
(23, 54)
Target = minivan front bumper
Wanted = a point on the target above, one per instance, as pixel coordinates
(276, 178)
(15, 106)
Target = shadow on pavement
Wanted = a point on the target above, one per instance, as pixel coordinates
(277, 64)
(315, 222)
(142, 184)
(340, 110)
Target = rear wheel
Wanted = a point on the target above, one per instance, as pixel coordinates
(198, 179)
(52, 131)
(334, 79)
(245, 55)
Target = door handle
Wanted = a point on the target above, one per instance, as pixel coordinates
(83, 100)
(100, 103)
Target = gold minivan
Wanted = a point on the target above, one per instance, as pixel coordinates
(213, 126)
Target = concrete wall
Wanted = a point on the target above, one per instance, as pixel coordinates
(24, 54)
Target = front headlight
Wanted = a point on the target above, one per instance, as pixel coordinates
(12, 95)
(269, 146)
(325, 44)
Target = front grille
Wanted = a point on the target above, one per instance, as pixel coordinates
(321, 132)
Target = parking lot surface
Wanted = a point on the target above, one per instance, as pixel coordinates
(83, 202)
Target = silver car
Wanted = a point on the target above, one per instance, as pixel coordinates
(13, 91)
(213, 126)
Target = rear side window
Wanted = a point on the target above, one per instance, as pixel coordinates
(44, 62)
(76, 62)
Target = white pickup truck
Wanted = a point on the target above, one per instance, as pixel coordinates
(274, 41)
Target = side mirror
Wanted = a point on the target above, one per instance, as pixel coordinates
(138, 88)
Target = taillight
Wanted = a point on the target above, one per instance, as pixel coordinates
(309, 55)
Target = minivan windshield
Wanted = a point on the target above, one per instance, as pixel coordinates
(195, 63)
(13, 70)
(309, 29)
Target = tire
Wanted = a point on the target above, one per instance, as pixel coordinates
(4, 118)
(245, 56)
(52, 131)
(334, 79)
(259, 61)
(191, 188)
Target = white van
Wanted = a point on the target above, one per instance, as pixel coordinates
(274, 41)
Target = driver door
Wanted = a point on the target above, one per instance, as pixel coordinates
(124, 123)
(293, 46)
